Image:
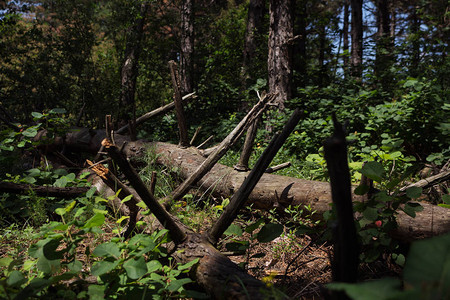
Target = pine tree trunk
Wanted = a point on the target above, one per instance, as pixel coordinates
(345, 34)
(279, 61)
(129, 71)
(187, 46)
(357, 38)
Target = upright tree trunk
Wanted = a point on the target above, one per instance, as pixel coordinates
(415, 42)
(383, 39)
(345, 38)
(357, 38)
(187, 46)
(254, 21)
(322, 44)
(129, 71)
(280, 39)
(300, 59)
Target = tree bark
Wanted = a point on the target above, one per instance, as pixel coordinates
(187, 46)
(345, 34)
(182, 126)
(383, 40)
(357, 38)
(281, 33)
(300, 58)
(271, 191)
(46, 191)
(129, 71)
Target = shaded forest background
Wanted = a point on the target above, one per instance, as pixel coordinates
(380, 66)
(393, 89)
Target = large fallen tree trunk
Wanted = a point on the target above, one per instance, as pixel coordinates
(271, 191)
(275, 190)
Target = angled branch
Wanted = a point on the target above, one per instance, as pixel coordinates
(219, 152)
(177, 234)
(346, 250)
(240, 197)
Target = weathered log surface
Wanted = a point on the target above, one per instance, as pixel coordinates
(275, 190)
(272, 190)
(49, 191)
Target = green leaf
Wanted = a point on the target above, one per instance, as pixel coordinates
(107, 249)
(135, 268)
(48, 266)
(96, 292)
(127, 198)
(269, 232)
(413, 192)
(233, 229)
(250, 228)
(153, 266)
(122, 219)
(75, 266)
(16, 278)
(57, 111)
(102, 267)
(61, 182)
(175, 285)
(411, 208)
(373, 170)
(96, 221)
(5, 261)
(361, 189)
(428, 267)
(446, 199)
(386, 288)
(37, 115)
(29, 132)
(188, 265)
(370, 214)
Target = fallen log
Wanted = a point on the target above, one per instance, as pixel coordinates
(272, 190)
(46, 191)
(275, 190)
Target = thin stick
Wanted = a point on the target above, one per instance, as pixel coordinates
(221, 150)
(195, 135)
(240, 197)
(279, 167)
(204, 143)
(177, 234)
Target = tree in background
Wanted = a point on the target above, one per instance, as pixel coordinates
(187, 46)
(281, 34)
(357, 37)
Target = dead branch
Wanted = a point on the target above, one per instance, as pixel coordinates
(49, 191)
(240, 197)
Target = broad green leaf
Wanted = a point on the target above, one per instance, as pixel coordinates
(28, 264)
(127, 198)
(373, 170)
(370, 213)
(61, 182)
(48, 266)
(269, 232)
(71, 205)
(362, 189)
(175, 285)
(75, 266)
(446, 199)
(250, 228)
(411, 208)
(428, 267)
(37, 115)
(135, 268)
(386, 288)
(188, 265)
(16, 278)
(60, 211)
(233, 229)
(107, 249)
(96, 221)
(153, 266)
(91, 192)
(29, 132)
(5, 261)
(36, 285)
(96, 292)
(103, 267)
(413, 192)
